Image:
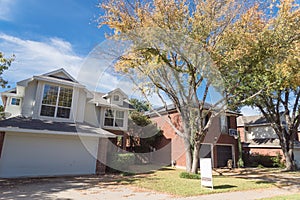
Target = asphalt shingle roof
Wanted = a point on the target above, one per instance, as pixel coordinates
(47, 125)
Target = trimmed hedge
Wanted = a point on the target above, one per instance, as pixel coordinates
(189, 175)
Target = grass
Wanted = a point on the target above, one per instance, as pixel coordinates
(285, 197)
(167, 180)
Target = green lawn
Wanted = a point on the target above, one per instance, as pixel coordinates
(285, 197)
(167, 180)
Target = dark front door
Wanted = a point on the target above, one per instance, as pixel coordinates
(224, 153)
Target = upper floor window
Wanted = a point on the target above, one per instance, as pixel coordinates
(114, 118)
(224, 124)
(15, 101)
(116, 98)
(56, 101)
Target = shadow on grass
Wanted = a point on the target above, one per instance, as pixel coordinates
(220, 187)
(263, 182)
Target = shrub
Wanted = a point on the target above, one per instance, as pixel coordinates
(254, 160)
(189, 175)
(277, 161)
(120, 161)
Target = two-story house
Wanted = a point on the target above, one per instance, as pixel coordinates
(55, 126)
(220, 143)
(259, 138)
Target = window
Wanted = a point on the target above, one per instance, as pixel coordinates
(223, 124)
(116, 98)
(15, 101)
(56, 101)
(114, 118)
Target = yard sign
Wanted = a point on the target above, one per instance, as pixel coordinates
(206, 172)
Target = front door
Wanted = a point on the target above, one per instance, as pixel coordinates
(224, 153)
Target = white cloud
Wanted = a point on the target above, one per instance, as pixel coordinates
(6, 8)
(39, 57)
(249, 111)
(36, 57)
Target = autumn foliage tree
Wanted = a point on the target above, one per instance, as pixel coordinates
(263, 48)
(179, 49)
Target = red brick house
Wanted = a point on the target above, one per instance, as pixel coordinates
(218, 144)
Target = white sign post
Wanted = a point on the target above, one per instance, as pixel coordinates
(206, 172)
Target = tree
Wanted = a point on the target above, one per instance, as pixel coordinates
(4, 64)
(139, 105)
(262, 50)
(141, 127)
(173, 53)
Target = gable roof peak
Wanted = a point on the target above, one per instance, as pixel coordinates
(64, 72)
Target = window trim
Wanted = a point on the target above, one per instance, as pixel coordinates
(56, 104)
(114, 118)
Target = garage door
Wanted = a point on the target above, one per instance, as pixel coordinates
(47, 155)
(224, 153)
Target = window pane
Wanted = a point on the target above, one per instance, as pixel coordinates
(223, 124)
(63, 112)
(120, 114)
(65, 97)
(119, 122)
(108, 122)
(109, 113)
(50, 95)
(48, 111)
(116, 98)
(15, 101)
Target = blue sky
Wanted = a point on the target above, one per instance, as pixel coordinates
(47, 35)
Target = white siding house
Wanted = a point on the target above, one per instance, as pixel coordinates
(55, 126)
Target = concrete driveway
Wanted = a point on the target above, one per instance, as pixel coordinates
(110, 187)
(63, 188)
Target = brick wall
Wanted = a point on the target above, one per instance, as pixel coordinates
(177, 146)
(101, 156)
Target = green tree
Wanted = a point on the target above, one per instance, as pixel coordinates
(4, 64)
(141, 126)
(263, 48)
(139, 105)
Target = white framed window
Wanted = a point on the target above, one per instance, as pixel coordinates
(56, 101)
(114, 118)
(15, 101)
(116, 97)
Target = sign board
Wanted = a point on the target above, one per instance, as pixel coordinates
(206, 172)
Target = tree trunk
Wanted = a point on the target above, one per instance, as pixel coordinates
(287, 149)
(289, 161)
(188, 155)
(196, 157)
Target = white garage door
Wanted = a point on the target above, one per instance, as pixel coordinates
(26, 154)
(297, 157)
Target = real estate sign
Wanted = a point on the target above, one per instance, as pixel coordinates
(206, 172)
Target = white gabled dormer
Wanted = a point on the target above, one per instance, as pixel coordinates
(116, 97)
(58, 97)
(55, 96)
